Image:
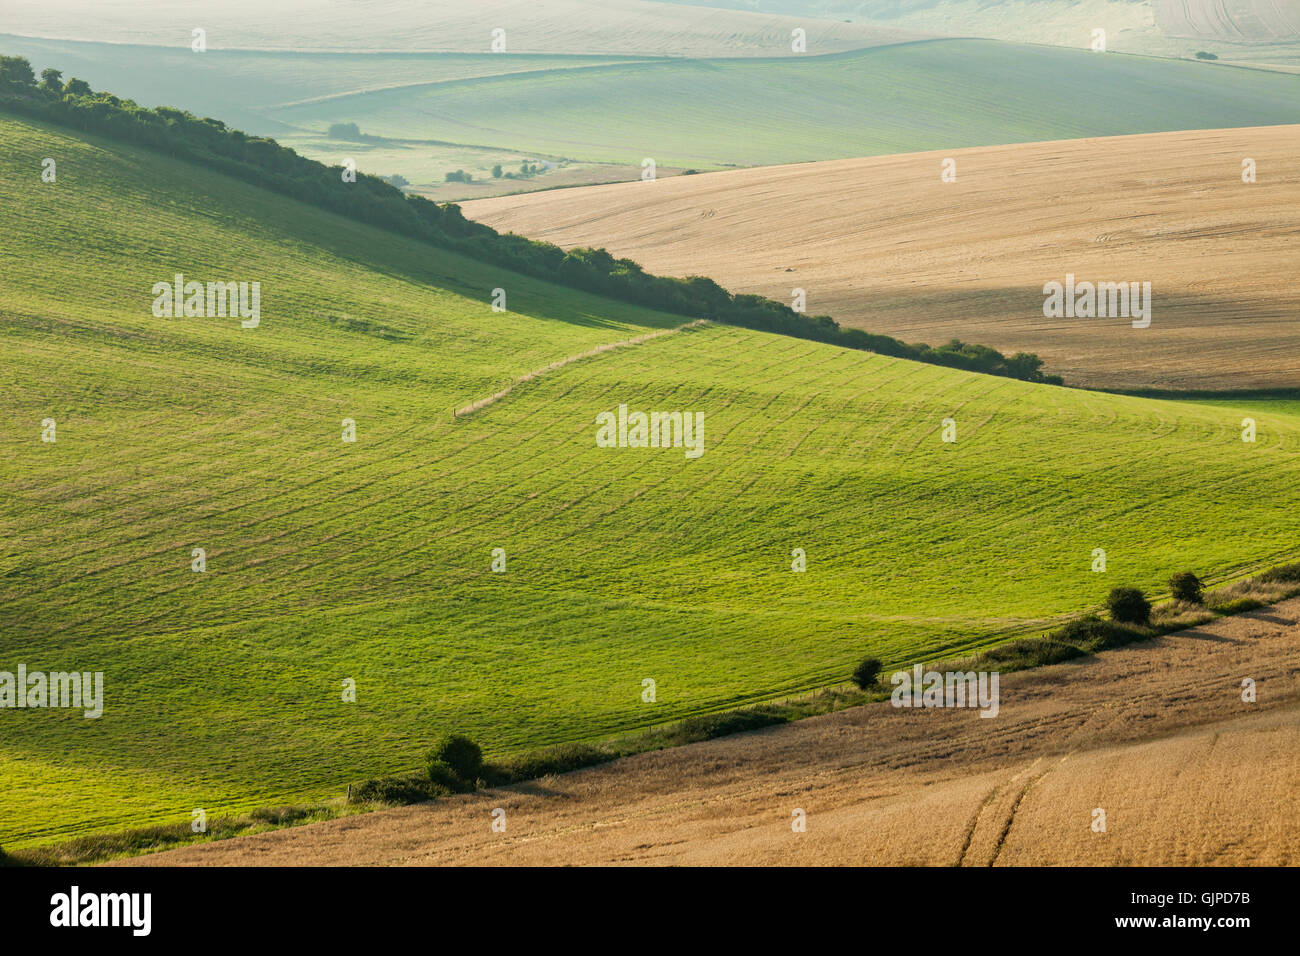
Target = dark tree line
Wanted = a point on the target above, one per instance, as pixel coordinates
(370, 199)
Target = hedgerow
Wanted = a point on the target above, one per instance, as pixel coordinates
(372, 200)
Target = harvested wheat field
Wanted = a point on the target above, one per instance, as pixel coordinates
(1228, 19)
(885, 245)
(1155, 734)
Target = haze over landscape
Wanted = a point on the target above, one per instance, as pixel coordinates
(606, 401)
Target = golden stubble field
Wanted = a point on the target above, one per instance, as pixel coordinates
(1155, 734)
(885, 245)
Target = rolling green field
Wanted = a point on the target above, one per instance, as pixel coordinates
(442, 112)
(371, 560)
(1236, 32)
(246, 87)
(891, 99)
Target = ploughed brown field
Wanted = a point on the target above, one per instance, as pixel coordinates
(883, 244)
(1155, 734)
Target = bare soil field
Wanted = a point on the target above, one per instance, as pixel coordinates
(1229, 19)
(884, 244)
(1156, 735)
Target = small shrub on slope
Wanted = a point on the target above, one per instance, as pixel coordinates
(1128, 606)
(1186, 586)
(866, 673)
(454, 761)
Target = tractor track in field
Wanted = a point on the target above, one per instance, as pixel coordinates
(569, 360)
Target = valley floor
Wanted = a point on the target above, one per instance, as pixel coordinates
(1155, 734)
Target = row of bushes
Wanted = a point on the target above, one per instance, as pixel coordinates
(455, 764)
(1130, 620)
(265, 163)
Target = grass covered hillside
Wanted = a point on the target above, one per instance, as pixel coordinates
(372, 560)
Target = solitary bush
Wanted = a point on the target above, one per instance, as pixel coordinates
(1203, 55)
(865, 674)
(344, 131)
(1186, 586)
(459, 754)
(1128, 606)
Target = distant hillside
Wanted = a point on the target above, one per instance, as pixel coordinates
(1262, 33)
(595, 119)
(711, 113)
(553, 26)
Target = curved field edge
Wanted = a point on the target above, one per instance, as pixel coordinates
(1173, 619)
(267, 164)
(885, 245)
(934, 94)
(371, 560)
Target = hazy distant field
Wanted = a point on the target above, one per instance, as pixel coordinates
(596, 119)
(884, 244)
(1229, 19)
(552, 26)
(894, 99)
(1262, 33)
(246, 87)
(371, 560)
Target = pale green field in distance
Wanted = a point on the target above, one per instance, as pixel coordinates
(245, 87)
(371, 560)
(605, 115)
(1234, 31)
(892, 99)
